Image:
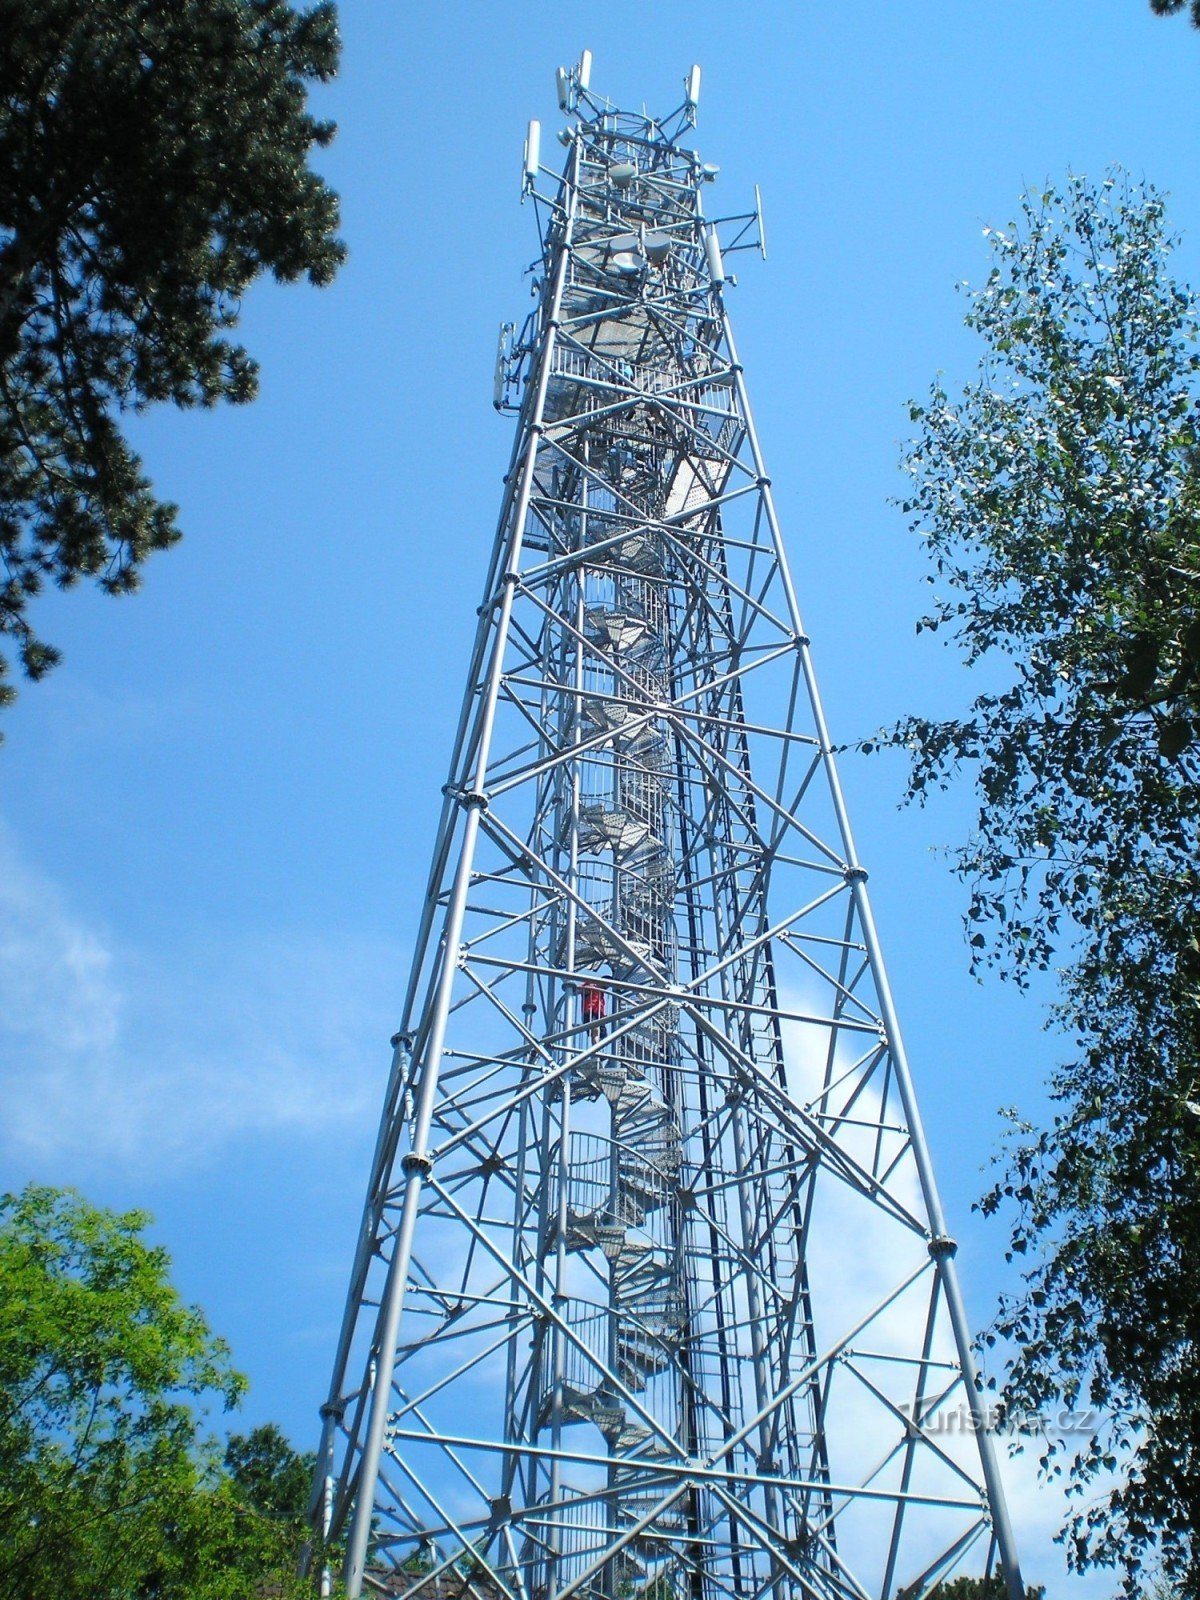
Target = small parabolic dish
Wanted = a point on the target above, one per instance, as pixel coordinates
(625, 254)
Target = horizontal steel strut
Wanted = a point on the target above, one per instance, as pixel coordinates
(652, 1295)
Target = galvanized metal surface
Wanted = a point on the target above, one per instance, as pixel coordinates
(661, 1300)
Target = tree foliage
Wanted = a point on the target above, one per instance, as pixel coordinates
(1059, 500)
(1168, 8)
(964, 1588)
(153, 163)
(268, 1474)
(110, 1487)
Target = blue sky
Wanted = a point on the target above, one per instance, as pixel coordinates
(214, 817)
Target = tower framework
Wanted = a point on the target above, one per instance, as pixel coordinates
(653, 1294)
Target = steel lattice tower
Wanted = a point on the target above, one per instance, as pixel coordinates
(658, 1301)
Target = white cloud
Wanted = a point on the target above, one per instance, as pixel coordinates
(56, 981)
(163, 1056)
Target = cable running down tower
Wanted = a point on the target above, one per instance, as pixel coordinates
(653, 1296)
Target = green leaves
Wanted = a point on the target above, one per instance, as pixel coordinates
(1058, 498)
(153, 164)
(1141, 668)
(110, 1488)
(1175, 735)
(101, 1369)
(992, 1588)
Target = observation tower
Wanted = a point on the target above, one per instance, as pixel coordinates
(653, 1294)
